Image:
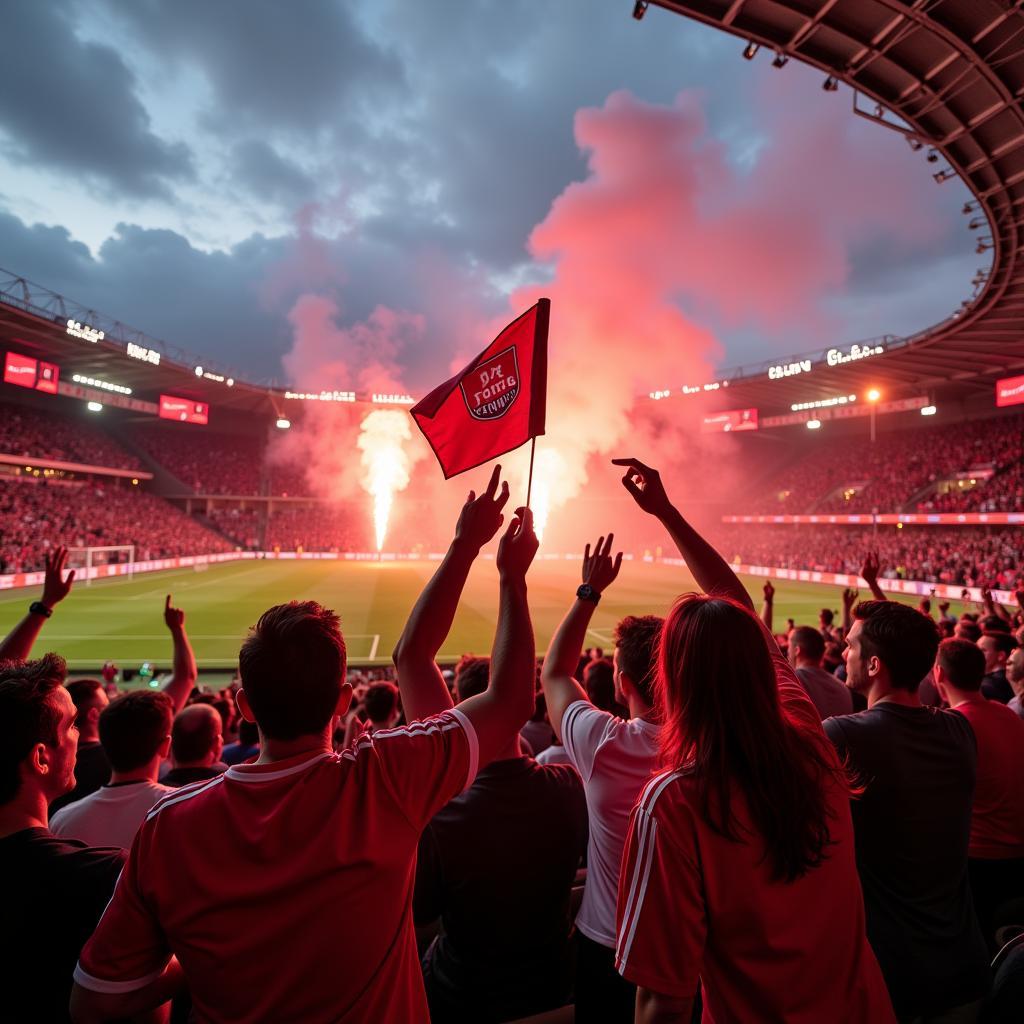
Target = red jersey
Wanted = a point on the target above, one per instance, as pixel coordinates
(695, 907)
(997, 818)
(285, 889)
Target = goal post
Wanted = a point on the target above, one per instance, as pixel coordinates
(88, 558)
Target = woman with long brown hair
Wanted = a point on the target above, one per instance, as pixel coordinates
(739, 871)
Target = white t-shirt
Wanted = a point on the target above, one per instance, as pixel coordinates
(555, 754)
(111, 816)
(615, 759)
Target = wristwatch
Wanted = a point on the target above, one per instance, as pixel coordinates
(38, 608)
(587, 593)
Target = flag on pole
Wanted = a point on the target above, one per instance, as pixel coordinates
(495, 404)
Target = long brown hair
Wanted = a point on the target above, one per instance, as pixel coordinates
(716, 687)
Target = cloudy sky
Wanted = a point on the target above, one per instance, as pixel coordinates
(196, 168)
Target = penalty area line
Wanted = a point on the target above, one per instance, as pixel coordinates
(374, 646)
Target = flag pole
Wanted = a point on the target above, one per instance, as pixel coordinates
(529, 479)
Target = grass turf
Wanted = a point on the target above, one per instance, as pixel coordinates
(122, 620)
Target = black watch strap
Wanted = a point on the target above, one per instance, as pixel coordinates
(586, 592)
(38, 608)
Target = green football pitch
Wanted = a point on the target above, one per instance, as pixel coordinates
(122, 620)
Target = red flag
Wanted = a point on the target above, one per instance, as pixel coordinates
(495, 404)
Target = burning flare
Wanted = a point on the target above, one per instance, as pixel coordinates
(382, 438)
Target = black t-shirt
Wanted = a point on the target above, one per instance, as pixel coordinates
(912, 825)
(53, 894)
(92, 770)
(497, 865)
(994, 686)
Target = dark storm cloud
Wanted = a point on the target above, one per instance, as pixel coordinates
(267, 175)
(288, 67)
(71, 106)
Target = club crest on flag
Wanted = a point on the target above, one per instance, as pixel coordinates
(490, 388)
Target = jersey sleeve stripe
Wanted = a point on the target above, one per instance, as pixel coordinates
(637, 893)
(472, 742)
(169, 801)
(86, 980)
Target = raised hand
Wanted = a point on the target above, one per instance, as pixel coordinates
(599, 568)
(481, 517)
(174, 617)
(518, 546)
(769, 591)
(850, 596)
(645, 485)
(871, 568)
(55, 586)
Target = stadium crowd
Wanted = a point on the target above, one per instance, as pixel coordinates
(36, 516)
(31, 434)
(962, 556)
(887, 475)
(824, 823)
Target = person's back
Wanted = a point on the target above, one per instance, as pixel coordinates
(135, 733)
(497, 865)
(917, 766)
(806, 652)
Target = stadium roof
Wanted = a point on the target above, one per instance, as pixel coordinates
(950, 76)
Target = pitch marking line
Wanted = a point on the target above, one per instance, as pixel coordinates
(603, 635)
(374, 646)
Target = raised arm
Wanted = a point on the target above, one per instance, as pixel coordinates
(869, 573)
(768, 606)
(992, 607)
(560, 687)
(849, 600)
(184, 673)
(505, 706)
(422, 686)
(17, 645)
(709, 569)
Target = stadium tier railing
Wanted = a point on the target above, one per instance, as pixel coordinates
(890, 519)
(918, 588)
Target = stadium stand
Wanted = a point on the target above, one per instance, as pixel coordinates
(37, 435)
(36, 516)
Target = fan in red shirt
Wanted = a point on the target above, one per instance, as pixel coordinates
(283, 888)
(739, 871)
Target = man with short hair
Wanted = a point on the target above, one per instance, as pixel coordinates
(996, 851)
(497, 864)
(615, 758)
(53, 890)
(196, 746)
(92, 769)
(806, 653)
(997, 646)
(381, 703)
(284, 887)
(912, 823)
(135, 730)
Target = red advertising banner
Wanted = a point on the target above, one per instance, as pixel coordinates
(20, 370)
(729, 421)
(27, 372)
(184, 410)
(890, 519)
(1010, 391)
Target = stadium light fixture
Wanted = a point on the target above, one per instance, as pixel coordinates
(199, 371)
(915, 144)
(944, 175)
(933, 156)
(639, 9)
(780, 61)
(929, 410)
(831, 84)
(94, 407)
(874, 395)
(750, 50)
(283, 424)
(814, 424)
(230, 382)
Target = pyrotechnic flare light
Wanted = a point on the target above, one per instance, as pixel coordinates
(382, 437)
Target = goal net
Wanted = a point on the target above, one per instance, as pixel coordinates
(97, 557)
